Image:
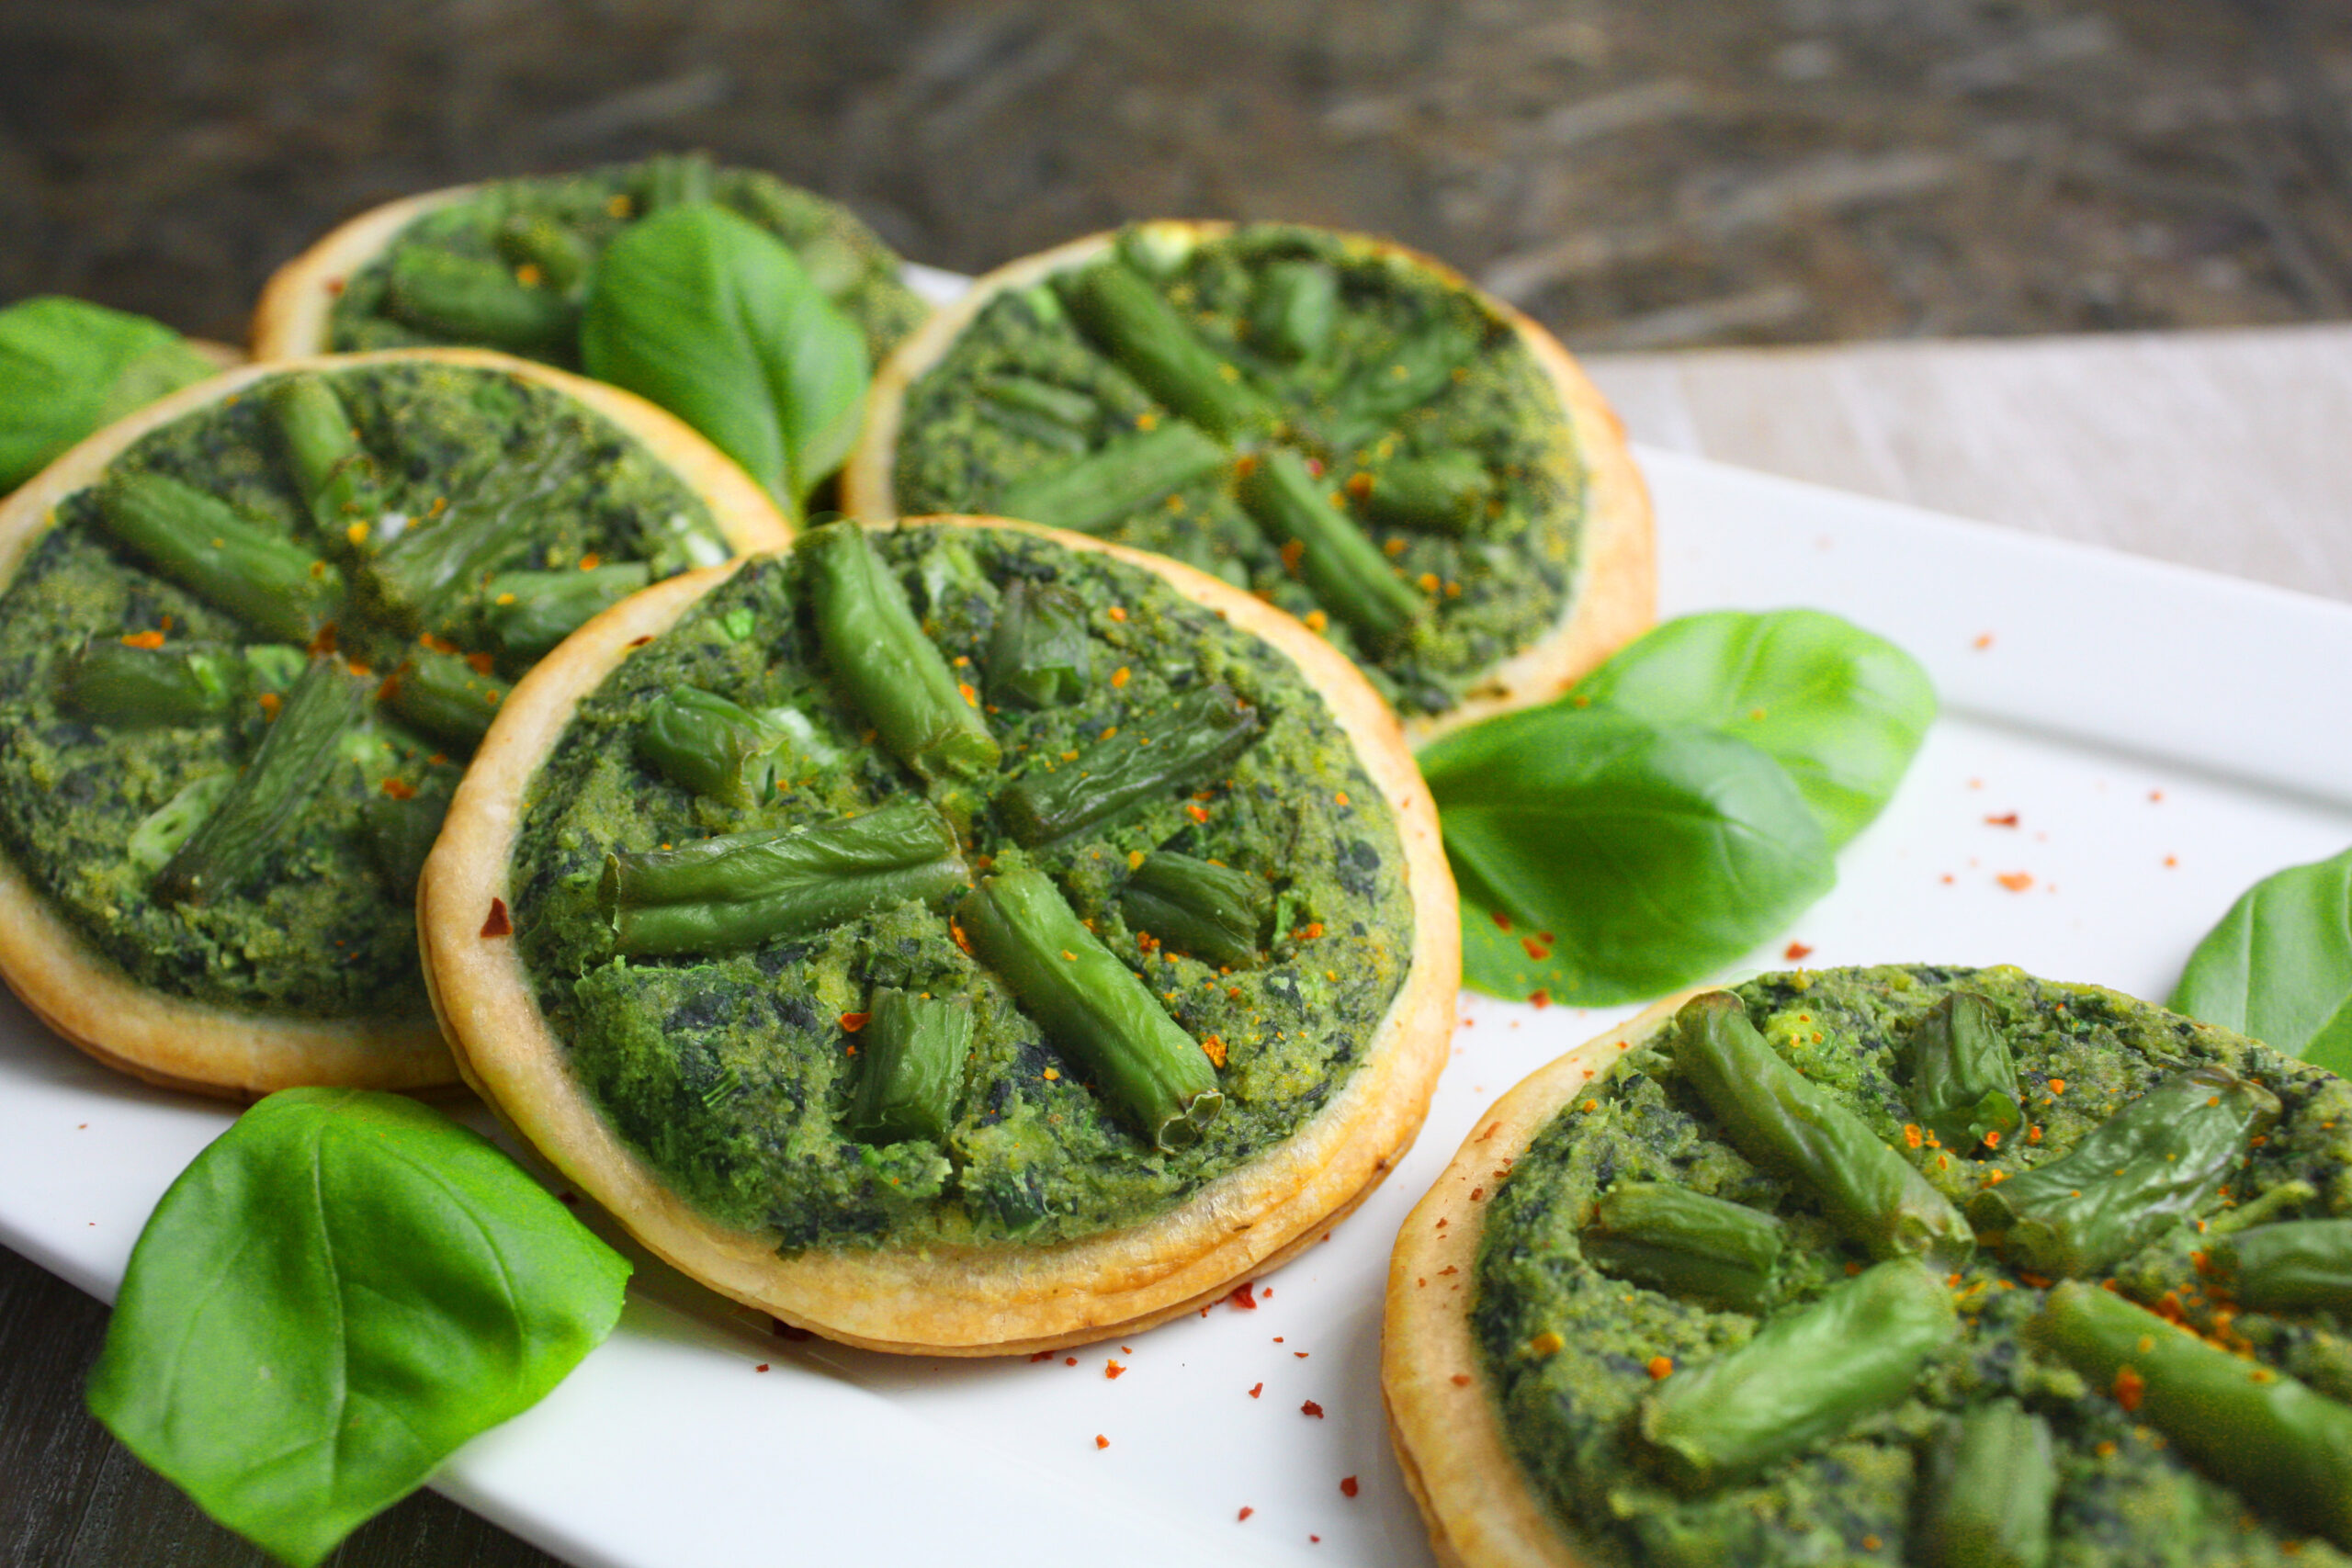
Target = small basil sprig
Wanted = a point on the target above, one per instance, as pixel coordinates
(337, 1293)
(68, 368)
(713, 318)
(2279, 968)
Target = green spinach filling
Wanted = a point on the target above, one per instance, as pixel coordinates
(1350, 434)
(737, 1070)
(1573, 1332)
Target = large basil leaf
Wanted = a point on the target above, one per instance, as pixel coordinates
(1601, 858)
(713, 318)
(68, 368)
(2280, 964)
(337, 1293)
(1842, 709)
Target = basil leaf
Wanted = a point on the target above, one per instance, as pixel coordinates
(714, 319)
(68, 368)
(1842, 709)
(1601, 858)
(2280, 964)
(334, 1295)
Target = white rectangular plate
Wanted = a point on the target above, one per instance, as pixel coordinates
(2124, 747)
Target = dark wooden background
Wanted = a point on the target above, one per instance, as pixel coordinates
(1640, 174)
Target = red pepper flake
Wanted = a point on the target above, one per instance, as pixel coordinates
(1196, 813)
(1041, 1356)
(1992, 1139)
(854, 1022)
(2015, 881)
(971, 698)
(270, 703)
(143, 639)
(2057, 1086)
(761, 1367)
(1293, 553)
(958, 932)
(2128, 1386)
(2007, 819)
(1242, 1296)
(1462, 1380)
(1661, 1368)
(1213, 1049)
(1348, 1487)
(1300, 1355)
(1311, 1409)
(498, 924)
(1110, 1371)
(1246, 1512)
(480, 663)
(1492, 1128)
(1911, 1134)
(1501, 921)
(1257, 1389)
(591, 562)
(1984, 641)
(639, 641)
(2034, 1133)
(2038, 1281)
(1069, 1360)
(1101, 1441)
(1796, 952)
(1539, 998)
(1477, 1194)
(1536, 950)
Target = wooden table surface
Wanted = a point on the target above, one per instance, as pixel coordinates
(2225, 451)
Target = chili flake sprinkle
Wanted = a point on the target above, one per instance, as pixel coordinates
(854, 1022)
(1257, 1389)
(1311, 1409)
(149, 639)
(497, 925)
(1111, 1370)
(1101, 1441)
(1661, 1367)
(1348, 1487)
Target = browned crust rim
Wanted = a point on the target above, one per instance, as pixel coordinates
(1448, 1433)
(1616, 594)
(944, 1301)
(85, 996)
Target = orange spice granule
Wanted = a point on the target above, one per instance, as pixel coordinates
(2128, 1386)
(1118, 677)
(854, 1022)
(1992, 1139)
(1196, 812)
(400, 789)
(1101, 1441)
(1872, 1543)
(1117, 614)
(270, 703)
(1311, 931)
(1257, 1389)
(2057, 1086)
(1311, 1409)
(1316, 620)
(2015, 881)
(1340, 798)
(1293, 553)
(1348, 1487)
(1213, 1049)
(971, 698)
(143, 639)
(480, 663)
(591, 562)
(1111, 1370)
(1661, 1367)
(1911, 1134)
(1546, 1344)
(1246, 1512)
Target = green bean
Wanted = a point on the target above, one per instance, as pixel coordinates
(160, 833)
(713, 746)
(737, 891)
(1091, 1006)
(189, 683)
(1297, 305)
(400, 834)
(1152, 754)
(2148, 1167)
(1444, 492)
(337, 475)
(1141, 331)
(1117, 481)
(530, 611)
(435, 560)
(1040, 655)
(1963, 1080)
(2297, 1265)
(201, 543)
(1807, 1376)
(285, 771)
(1989, 1488)
(891, 672)
(913, 1049)
(1775, 1116)
(1411, 374)
(1071, 410)
(1214, 912)
(1685, 1243)
(1343, 569)
(445, 694)
(675, 179)
(2283, 1445)
(564, 258)
(474, 300)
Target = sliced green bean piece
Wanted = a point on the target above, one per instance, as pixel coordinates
(1963, 1080)
(564, 258)
(1990, 1485)
(1412, 373)
(160, 834)
(1444, 492)
(2283, 1445)
(530, 611)
(201, 543)
(740, 890)
(435, 560)
(2293, 1266)
(1685, 1243)
(1806, 1377)
(285, 771)
(913, 1050)
(1071, 410)
(1152, 754)
(1778, 1118)
(129, 687)
(1343, 569)
(443, 693)
(894, 674)
(337, 475)
(1212, 912)
(474, 300)
(1041, 654)
(2148, 1167)
(1117, 480)
(712, 746)
(1091, 1006)
(1139, 329)
(400, 834)
(1297, 304)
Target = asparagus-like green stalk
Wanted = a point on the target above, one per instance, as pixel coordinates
(561, 256)
(2149, 1167)
(200, 542)
(2283, 1445)
(1071, 410)
(337, 475)
(1143, 334)
(1804, 1378)
(287, 770)
(530, 611)
(446, 694)
(677, 179)
(1152, 754)
(1040, 655)
(1963, 1080)
(1775, 1116)
(737, 891)
(1990, 1484)
(159, 835)
(1091, 1006)
(1685, 1244)
(401, 833)
(1125, 475)
(1344, 570)
(1297, 305)
(915, 1049)
(2296, 1265)
(892, 672)
(712, 746)
(1211, 911)
(473, 299)
(1416, 370)
(437, 558)
(189, 683)
(1444, 492)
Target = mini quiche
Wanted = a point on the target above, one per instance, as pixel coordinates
(505, 264)
(955, 937)
(1341, 426)
(248, 638)
(1903, 1265)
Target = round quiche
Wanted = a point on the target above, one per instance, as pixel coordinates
(1902, 1265)
(248, 638)
(1341, 426)
(954, 937)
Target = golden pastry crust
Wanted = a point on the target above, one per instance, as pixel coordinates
(1441, 1417)
(1616, 595)
(292, 317)
(967, 1301)
(88, 998)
